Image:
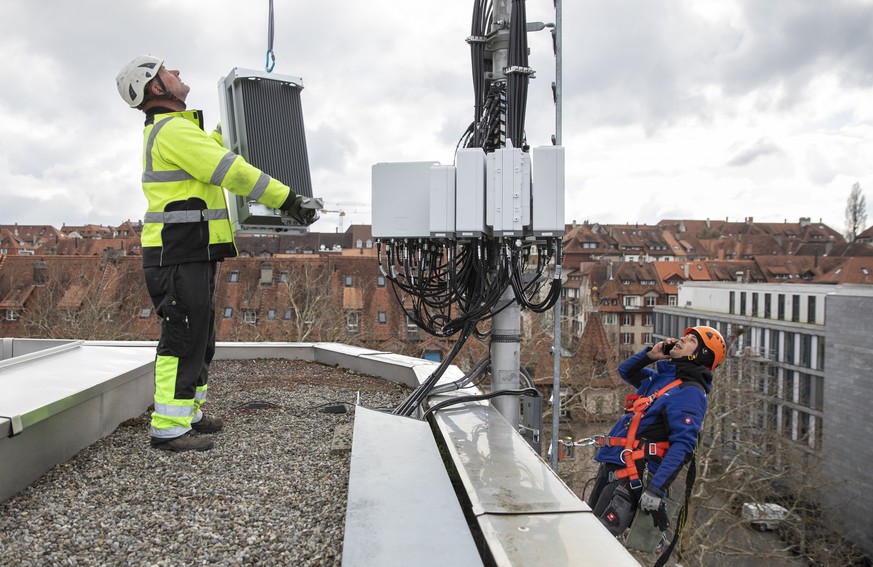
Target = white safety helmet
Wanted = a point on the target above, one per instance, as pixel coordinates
(133, 78)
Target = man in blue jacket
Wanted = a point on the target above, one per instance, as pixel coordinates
(663, 421)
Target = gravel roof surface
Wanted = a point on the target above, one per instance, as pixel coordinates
(271, 492)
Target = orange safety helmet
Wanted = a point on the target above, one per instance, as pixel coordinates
(712, 340)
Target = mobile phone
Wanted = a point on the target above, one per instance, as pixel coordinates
(667, 347)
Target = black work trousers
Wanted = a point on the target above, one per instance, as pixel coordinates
(614, 502)
(184, 298)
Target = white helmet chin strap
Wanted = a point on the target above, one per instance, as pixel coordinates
(167, 94)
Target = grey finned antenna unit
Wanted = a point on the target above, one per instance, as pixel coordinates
(262, 120)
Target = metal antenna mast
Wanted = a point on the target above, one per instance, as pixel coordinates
(506, 324)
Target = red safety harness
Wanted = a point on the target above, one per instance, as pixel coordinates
(633, 449)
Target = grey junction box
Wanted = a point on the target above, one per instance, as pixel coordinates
(547, 191)
(442, 201)
(401, 199)
(508, 196)
(470, 195)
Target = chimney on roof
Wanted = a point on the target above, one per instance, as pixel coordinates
(609, 270)
(804, 222)
(750, 220)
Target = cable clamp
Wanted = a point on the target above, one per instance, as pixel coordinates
(476, 39)
(518, 70)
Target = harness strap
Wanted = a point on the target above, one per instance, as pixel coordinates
(633, 449)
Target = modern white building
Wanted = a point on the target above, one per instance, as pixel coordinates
(814, 344)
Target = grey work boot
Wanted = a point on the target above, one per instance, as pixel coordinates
(186, 442)
(208, 425)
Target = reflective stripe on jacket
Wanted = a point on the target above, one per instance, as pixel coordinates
(184, 170)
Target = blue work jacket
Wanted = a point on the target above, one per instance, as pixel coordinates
(676, 416)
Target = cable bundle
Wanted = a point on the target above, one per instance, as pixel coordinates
(443, 285)
(518, 75)
(449, 286)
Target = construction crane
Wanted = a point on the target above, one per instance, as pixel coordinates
(342, 212)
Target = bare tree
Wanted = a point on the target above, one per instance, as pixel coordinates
(744, 456)
(856, 213)
(315, 301)
(98, 304)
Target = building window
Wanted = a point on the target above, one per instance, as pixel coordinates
(627, 338)
(631, 301)
(788, 349)
(627, 319)
(806, 351)
(743, 303)
(647, 320)
(610, 319)
(266, 274)
(12, 315)
(768, 308)
(288, 314)
(283, 276)
(651, 301)
(380, 281)
(810, 310)
(411, 329)
(731, 301)
(234, 276)
(145, 313)
(228, 312)
(780, 305)
(271, 314)
(382, 317)
(804, 390)
(348, 281)
(819, 361)
(795, 308)
(352, 318)
(250, 316)
(671, 300)
(788, 390)
(754, 305)
(647, 339)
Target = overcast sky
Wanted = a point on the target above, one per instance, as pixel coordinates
(672, 108)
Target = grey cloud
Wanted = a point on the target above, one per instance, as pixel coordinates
(751, 153)
(630, 62)
(329, 147)
(789, 43)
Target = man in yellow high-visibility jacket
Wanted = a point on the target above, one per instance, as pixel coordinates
(186, 230)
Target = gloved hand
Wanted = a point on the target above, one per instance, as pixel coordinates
(294, 210)
(649, 502)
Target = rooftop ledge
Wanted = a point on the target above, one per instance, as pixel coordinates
(465, 489)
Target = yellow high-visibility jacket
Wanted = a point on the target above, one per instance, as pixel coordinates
(184, 170)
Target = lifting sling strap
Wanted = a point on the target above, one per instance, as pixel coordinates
(633, 449)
